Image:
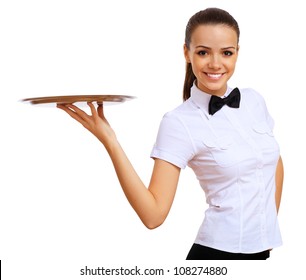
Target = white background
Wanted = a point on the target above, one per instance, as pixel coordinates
(61, 207)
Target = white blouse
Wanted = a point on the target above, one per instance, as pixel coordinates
(234, 156)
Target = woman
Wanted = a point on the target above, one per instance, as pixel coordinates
(225, 138)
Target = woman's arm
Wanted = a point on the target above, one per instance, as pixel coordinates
(152, 204)
(279, 178)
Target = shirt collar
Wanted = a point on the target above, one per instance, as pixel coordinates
(201, 99)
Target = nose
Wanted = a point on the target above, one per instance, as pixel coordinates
(214, 62)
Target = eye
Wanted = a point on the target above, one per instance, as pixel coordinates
(202, 53)
(228, 53)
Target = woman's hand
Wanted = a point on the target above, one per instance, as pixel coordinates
(96, 123)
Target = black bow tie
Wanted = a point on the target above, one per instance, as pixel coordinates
(216, 102)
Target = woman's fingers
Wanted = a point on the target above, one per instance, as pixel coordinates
(92, 109)
(100, 110)
(96, 112)
(74, 112)
(88, 121)
(95, 123)
(78, 111)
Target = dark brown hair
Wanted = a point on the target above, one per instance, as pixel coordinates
(208, 16)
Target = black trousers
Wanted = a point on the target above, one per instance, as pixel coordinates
(199, 252)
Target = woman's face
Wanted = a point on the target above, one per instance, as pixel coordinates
(213, 53)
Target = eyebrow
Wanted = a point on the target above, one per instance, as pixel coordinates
(226, 48)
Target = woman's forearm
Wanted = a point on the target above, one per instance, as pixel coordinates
(279, 178)
(151, 210)
(136, 192)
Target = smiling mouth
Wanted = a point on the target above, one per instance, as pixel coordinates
(214, 76)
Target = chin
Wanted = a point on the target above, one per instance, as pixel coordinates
(214, 89)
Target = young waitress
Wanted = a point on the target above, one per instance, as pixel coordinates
(224, 135)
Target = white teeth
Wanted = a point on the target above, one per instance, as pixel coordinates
(214, 76)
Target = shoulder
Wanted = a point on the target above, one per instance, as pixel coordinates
(181, 111)
(173, 118)
(178, 120)
(251, 96)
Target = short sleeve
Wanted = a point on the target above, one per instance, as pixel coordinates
(173, 143)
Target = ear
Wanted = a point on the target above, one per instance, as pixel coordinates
(186, 54)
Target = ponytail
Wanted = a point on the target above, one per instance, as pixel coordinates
(189, 79)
